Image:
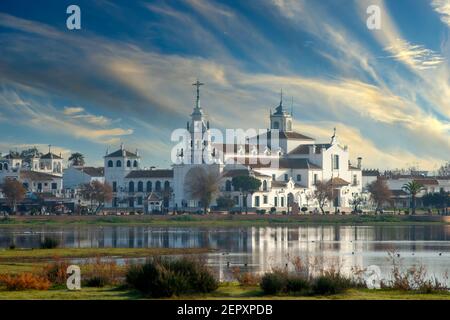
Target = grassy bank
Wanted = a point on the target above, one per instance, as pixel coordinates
(224, 292)
(27, 260)
(217, 220)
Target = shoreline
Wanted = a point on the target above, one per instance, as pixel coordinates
(221, 220)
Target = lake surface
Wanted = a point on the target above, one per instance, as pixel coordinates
(258, 249)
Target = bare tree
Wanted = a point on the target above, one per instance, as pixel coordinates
(323, 194)
(97, 192)
(356, 201)
(203, 184)
(379, 192)
(14, 192)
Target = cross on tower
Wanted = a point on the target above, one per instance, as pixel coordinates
(198, 84)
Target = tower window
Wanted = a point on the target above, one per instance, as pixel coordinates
(276, 125)
(128, 163)
(336, 162)
(118, 163)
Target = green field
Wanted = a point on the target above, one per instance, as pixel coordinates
(218, 220)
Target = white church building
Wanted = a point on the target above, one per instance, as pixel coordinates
(287, 163)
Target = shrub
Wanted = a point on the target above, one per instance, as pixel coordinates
(49, 243)
(273, 210)
(24, 281)
(297, 284)
(12, 246)
(246, 279)
(274, 282)
(101, 273)
(164, 278)
(56, 272)
(96, 282)
(328, 284)
(304, 209)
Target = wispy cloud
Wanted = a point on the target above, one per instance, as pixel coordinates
(443, 8)
(416, 56)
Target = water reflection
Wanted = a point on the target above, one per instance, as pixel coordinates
(257, 249)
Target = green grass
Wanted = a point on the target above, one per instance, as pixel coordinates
(35, 255)
(216, 220)
(224, 292)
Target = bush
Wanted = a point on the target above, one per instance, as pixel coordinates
(24, 281)
(304, 209)
(49, 243)
(273, 210)
(246, 279)
(12, 246)
(101, 273)
(274, 282)
(328, 284)
(96, 282)
(297, 284)
(164, 278)
(56, 272)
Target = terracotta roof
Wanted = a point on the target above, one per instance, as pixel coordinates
(279, 184)
(433, 182)
(285, 135)
(37, 176)
(92, 171)
(339, 182)
(304, 148)
(350, 167)
(119, 153)
(243, 172)
(50, 156)
(399, 193)
(163, 173)
(282, 163)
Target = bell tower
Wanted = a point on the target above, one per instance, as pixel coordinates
(280, 119)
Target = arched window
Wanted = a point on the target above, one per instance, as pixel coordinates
(158, 186)
(149, 186)
(1, 166)
(276, 125)
(264, 185)
(5, 166)
(135, 163)
(228, 185)
(118, 163)
(167, 186)
(128, 163)
(140, 186)
(110, 163)
(299, 177)
(131, 186)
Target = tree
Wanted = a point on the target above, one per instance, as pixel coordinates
(379, 192)
(14, 192)
(413, 188)
(77, 159)
(202, 184)
(247, 185)
(98, 192)
(440, 200)
(225, 202)
(356, 201)
(27, 154)
(323, 193)
(444, 170)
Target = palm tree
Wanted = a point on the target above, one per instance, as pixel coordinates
(77, 159)
(413, 188)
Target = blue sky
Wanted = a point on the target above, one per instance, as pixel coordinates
(126, 75)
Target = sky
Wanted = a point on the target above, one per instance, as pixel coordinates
(126, 76)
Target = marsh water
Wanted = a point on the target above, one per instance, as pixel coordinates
(258, 249)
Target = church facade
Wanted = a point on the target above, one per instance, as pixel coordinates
(288, 164)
